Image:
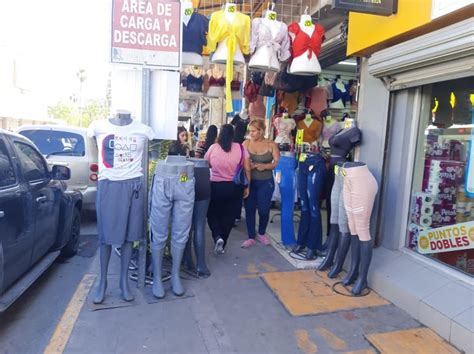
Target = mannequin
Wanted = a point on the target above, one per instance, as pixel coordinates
(340, 94)
(120, 195)
(286, 177)
(306, 43)
(194, 80)
(216, 82)
(195, 27)
(228, 38)
(312, 129)
(284, 126)
(172, 201)
(198, 228)
(269, 42)
(360, 189)
(311, 181)
(341, 144)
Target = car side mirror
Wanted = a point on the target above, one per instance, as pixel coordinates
(61, 173)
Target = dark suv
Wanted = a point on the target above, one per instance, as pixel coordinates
(39, 219)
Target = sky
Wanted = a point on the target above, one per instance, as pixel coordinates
(51, 40)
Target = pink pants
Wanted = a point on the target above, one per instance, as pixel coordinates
(360, 188)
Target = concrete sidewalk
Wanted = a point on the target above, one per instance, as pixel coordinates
(233, 311)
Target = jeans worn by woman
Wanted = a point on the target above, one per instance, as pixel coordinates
(260, 198)
(311, 182)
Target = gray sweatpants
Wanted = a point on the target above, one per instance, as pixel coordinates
(171, 202)
(338, 212)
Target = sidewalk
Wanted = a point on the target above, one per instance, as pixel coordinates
(236, 311)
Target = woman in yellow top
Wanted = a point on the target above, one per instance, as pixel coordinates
(231, 28)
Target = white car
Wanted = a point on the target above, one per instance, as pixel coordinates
(69, 146)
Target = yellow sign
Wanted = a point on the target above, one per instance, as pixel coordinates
(183, 178)
(308, 23)
(303, 157)
(272, 16)
(348, 122)
(188, 12)
(299, 136)
(231, 8)
(446, 239)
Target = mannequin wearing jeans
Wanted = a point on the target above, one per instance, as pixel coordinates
(339, 230)
(121, 142)
(285, 171)
(198, 229)
(172, 202)
(341, 145)
(311, 181)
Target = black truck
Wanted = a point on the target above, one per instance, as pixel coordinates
(39, 219)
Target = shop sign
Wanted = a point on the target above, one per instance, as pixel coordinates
(376, 7)
(444, 7)
(147, 32)
(446, 239)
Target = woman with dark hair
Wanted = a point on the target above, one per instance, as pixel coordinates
(203, 146)
(224, 158)
(180, 146)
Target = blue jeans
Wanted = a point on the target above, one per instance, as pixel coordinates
(260, 198)
(311, 182)
(287, 167)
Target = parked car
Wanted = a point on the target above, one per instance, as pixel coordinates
(39, 217)
(70, 147)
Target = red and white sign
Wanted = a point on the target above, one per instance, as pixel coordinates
(147, 32)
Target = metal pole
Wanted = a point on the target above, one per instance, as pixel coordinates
(142, 251)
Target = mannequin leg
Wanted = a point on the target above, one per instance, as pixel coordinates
(188, 254)
(365, 258)
(105, 251)
(125, 261)
(344, 243)
(332, 246)
(177, 286)
(355, 260)
(199, 236)
(157, 257)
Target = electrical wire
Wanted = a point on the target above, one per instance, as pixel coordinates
(365, 292)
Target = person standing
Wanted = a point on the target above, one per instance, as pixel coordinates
(203, 146)
(264, 156)
(224, 158)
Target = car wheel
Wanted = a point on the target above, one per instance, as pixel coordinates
(72, 245)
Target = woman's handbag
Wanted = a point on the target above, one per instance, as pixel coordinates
(240, 177)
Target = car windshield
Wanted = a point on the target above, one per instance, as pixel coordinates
(51, 142)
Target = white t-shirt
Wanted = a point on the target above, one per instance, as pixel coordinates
(120, 148)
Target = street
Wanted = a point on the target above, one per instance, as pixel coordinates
(233, 311)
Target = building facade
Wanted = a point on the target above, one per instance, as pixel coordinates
(416, 114)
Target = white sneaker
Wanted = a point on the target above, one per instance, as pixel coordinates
(219, 247)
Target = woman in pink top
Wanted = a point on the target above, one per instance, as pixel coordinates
(224, 158)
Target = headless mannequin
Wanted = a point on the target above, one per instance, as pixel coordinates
(340, 102)
(341, 144)
(186, 13)
(120, 119)
(198, 229)
(177, 166)
(303, 65)
(264, 57)
(220, 55)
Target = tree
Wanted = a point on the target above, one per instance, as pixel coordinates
(79, 116)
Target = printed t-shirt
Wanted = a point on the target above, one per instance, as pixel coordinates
(120, 148)
(224, 164)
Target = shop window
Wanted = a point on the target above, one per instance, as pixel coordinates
(441, 220)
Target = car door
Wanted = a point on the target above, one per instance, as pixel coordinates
(16, 238)
(45, 197)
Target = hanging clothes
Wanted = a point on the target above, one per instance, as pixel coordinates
(194, 33)
(312, 132)
(262, 36)
(303, 43)
(238, 33)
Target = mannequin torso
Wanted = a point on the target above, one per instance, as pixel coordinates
(220, 55)
(344, 141)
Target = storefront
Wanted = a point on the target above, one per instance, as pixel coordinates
(416, 104)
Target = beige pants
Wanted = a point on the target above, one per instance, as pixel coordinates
(360, 188)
